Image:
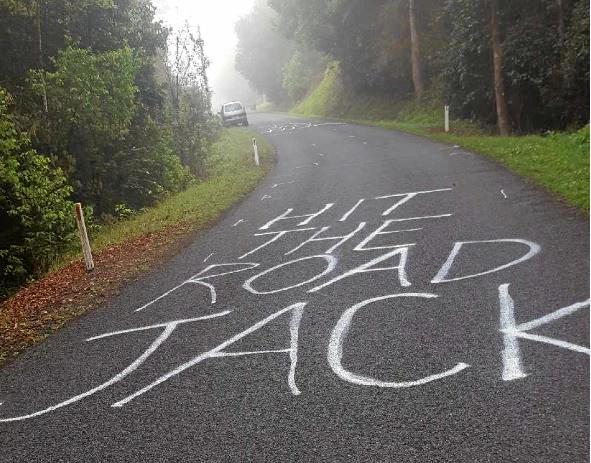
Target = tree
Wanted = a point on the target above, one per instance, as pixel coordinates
(262, 52)
(415, 55)
(35, 210)
(499, 85)
(190, 97)
(92, 97)
(304, 69)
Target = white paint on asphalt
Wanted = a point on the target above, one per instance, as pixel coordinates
(503, 193)
(211, 353)
(278, 235)
(275, 185)
(339, 334)
(239, 222)
(350, 211)
(331, 263)
(534, 249)
(512, 368)
(405, 197)
(362, 246)
(168, 330)
(307, 217)
(341, 239)
(402, 253)
(512, 363)
(208, 257)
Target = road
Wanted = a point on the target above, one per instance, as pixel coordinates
(379, 297)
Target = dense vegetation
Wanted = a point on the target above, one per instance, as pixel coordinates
(521, 66)
(99, 103)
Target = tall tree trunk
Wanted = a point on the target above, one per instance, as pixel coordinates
(415, 55)
(560, 20)
(38, 15)
(499, 85)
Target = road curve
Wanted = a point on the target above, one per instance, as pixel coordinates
(379, 297)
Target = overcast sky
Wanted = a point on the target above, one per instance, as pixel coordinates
(216, 18)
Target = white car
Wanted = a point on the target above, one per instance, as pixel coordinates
(234, 113)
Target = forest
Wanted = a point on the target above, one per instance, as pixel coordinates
(514, 67)
(99, 104)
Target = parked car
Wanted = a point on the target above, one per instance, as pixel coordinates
(233, 113)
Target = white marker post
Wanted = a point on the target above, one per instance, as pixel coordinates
(86, 251)
(256, 151)
(446, 110)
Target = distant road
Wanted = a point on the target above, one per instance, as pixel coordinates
(379, 297)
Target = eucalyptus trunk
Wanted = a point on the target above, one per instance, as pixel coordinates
(415, 55)
(499, 85)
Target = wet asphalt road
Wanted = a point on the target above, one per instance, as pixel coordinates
(451, 324)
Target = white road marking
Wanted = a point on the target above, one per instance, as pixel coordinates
(211, 353)
(207, 258)
(285, 216)
(168, 330)
(512, 368)
(407, 197)
(534, 249)
(339, 334)
(283, 183)
(350, 211)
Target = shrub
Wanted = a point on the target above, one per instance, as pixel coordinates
(35, 210)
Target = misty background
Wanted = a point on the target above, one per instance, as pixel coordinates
(216, 20)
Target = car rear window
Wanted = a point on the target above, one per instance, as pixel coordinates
(232, 107)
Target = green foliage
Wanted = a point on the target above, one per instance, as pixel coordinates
(324, 100)
(91, 90)
(302, 72)
(97, 92)
(231, 175)
(544, 51)
(542, 87)
(467, 65)
(193, 126)
(262, 52)
(35, 209)
(91, 97)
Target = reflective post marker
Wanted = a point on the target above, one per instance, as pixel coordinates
(446, 109)
(256, 151)
(86, 251)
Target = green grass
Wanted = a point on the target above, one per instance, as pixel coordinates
(232, 174)
(557, 161)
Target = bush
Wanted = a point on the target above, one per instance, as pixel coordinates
(35, 210)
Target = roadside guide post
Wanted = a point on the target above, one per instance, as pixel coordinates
(86, 251)
(256, 151)
(446, 110)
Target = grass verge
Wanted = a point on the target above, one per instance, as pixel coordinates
(123, 250)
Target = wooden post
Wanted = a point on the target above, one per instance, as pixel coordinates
(86, 251)
(446, 110)
(256, 151)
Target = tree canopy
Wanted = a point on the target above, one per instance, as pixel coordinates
(99, 103)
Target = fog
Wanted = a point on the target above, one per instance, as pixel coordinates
(216, 19)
